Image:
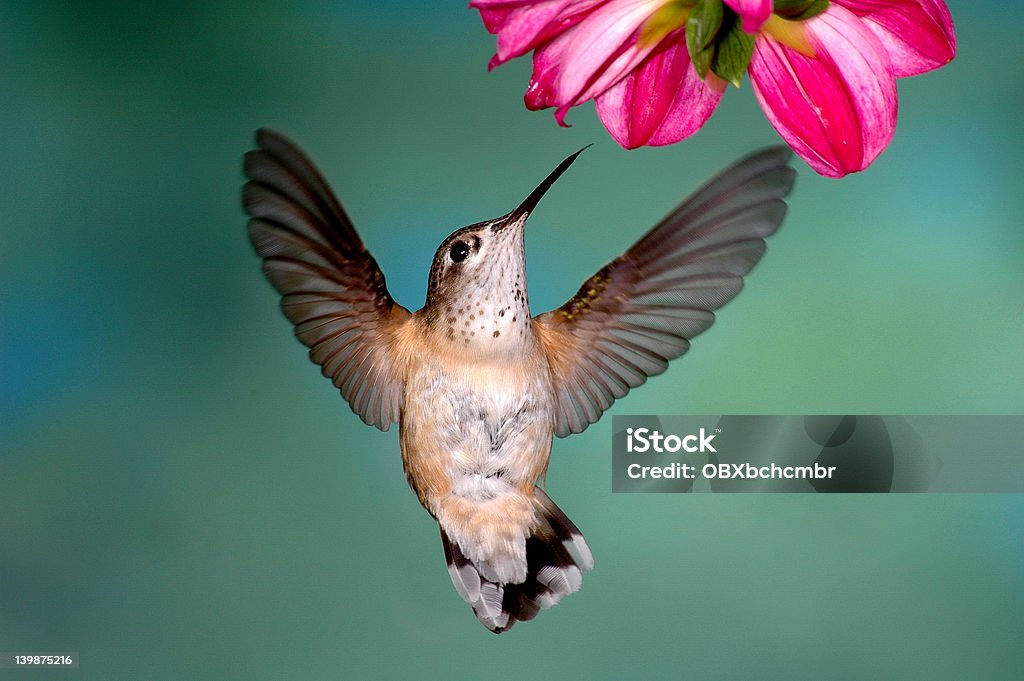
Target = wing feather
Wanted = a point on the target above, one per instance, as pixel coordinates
(331, 288)
(640, 311)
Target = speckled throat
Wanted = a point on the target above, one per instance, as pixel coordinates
(482, 304)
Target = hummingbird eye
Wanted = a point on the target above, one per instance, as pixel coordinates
(458, 251)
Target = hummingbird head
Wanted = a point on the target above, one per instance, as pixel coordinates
(477, 286)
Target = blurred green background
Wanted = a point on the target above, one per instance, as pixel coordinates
(183, 496)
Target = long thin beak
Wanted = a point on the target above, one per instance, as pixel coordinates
(527, 206)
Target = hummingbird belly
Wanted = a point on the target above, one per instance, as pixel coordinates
(476, 431)
(475, 439)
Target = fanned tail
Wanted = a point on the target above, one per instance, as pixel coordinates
(557, 555)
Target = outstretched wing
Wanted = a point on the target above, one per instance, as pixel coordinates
(639, 311)
(332, 289)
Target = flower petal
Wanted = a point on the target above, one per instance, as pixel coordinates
(547, 61)
(523, 28)
(495, 12)
(837, 109)
(602, 49)
(753, 12)
(917, 34)
(661, 102)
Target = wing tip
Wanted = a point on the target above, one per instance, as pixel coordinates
(779, 152)
(281, 148)
(266, 138)
(775, 158)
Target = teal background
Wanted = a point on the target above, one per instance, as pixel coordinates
(183, 496)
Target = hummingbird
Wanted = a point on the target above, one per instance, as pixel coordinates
(478, 385)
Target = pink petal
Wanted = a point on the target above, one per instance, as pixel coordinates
(753, 12)
(661, 102)
(547, 61)
(917, 34)
(524, 28)
(495, 12)
(838, 109)
(601, 50)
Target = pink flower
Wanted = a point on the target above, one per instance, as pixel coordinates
(824, 72)
(753, 12)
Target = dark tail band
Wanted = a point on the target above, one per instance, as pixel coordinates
(556, 556)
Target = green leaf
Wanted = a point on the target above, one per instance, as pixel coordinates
(701, 28)
(734, 49)
(703, 24)
(702, 60)
(799, 10)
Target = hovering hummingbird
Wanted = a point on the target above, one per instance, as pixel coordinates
(477, 384)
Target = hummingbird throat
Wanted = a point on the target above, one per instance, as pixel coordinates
(487, 322)
(488, 319)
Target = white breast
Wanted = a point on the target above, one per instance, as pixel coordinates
(493, 421)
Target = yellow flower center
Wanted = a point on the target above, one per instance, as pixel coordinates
(667, 18)
(789, 33)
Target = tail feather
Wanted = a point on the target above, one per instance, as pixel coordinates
(464, 576)
(557, 555)
(567, 532)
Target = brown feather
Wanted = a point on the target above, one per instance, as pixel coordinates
(641, 310)
(332, 289)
